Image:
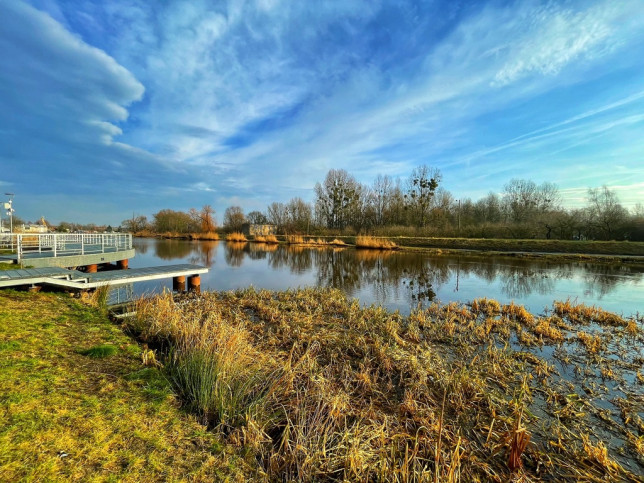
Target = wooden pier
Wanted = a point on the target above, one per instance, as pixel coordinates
(33, 278)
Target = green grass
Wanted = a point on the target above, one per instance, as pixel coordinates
(100, 351)
(509, 245)
(102, 416)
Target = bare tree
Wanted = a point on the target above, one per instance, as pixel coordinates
(234, 219)
(421, 188)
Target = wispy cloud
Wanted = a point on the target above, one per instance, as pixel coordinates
(186, 103)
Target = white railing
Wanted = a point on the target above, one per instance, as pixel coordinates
(27, 245)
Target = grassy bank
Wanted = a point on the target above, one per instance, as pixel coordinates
(315, 388)
(78, 404)
(545, 246)
(509, 246)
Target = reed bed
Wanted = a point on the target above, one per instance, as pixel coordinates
(236, 237)
(313, 387)
(314, 242)
(210, 236)
(266, 239)
(373, 243)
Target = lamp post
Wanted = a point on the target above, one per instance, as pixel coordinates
(9, 207)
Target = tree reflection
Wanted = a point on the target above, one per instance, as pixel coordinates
(172, 249)
(415, 276)
(204, 252)
(234, 253)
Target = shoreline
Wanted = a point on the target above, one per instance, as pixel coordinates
(600, 252)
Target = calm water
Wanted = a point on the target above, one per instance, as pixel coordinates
(398, 280)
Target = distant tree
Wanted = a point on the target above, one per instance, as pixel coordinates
(606, 215)
(207, 219)
(524, 200)
(256, 218)
(338, 199)
(380, 198)
(65, 227)
(135, 224)
(277, 215)
(299, 215)
(175, 222)
(234, 219)
(421, 187)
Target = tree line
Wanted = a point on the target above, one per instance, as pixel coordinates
(421, 206)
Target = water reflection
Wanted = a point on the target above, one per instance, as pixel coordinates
(416, 277)
(235, 253)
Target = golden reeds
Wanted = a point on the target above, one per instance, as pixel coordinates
(236, 237)
(315, 387)
(266, 239)
(369, 242)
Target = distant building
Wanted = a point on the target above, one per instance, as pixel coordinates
(34, 229)
(252, 229)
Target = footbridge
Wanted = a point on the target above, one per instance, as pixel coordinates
(88, 250)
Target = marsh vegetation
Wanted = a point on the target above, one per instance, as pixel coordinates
(312, 386)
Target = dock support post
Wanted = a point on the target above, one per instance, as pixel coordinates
(122, 264)
(179, 283)
(92, 268)
(194, 283)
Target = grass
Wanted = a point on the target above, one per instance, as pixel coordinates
(212, 236)
(100, 351)
(236, 237)
(266, 239)
(573, 247)
(373, 243)
(103, 416)
(314, 387)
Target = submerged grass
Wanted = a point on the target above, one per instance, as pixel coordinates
(312, 386)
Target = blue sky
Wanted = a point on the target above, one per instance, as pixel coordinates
(110, 108)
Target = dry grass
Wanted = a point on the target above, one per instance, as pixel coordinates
(211, 236)
(374, 243)
(236, 237)
(266, 239)
(314, 387)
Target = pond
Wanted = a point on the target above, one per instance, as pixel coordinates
(399, 280)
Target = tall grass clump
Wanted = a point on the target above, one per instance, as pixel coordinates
(209, 236)
(295, 239)
(266, 239)
(236, 237)
(369, 242)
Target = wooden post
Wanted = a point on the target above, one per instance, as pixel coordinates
(194, 283)
(92, 268)
(179, 283)
(122, 264)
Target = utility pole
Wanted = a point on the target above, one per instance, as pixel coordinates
(9, 207)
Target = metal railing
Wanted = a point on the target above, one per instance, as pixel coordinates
(28, 245)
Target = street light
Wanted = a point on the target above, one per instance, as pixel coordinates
(9, 207)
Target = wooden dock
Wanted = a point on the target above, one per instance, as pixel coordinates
(77, 280)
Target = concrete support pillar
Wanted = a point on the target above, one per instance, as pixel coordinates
(92, 268)
(194, 283)
(179, 284)
(122, 264)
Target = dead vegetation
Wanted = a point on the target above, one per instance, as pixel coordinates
(314, 387)
(236, 237)
(373, 243)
